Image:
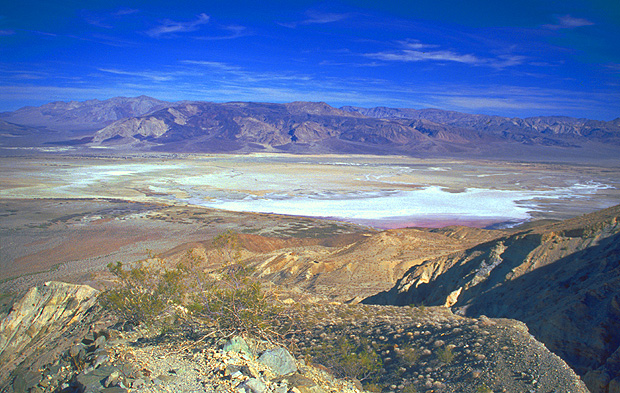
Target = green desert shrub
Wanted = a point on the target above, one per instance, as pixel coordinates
(445, 355)
(348, 359)
(146, 294)
(409, 389)
(484, 389)
(409, 355)
(193, 294)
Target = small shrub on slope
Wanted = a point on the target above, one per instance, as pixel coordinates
(226, 300)
(348, 359)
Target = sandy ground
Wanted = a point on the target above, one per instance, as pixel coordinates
(70, 240)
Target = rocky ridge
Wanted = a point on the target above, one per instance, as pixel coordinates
(560, 279)
(344, 267)
(433, 350)
(540, 129)
(82, 116)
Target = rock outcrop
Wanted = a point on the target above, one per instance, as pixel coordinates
(41, 326)
(562, 280)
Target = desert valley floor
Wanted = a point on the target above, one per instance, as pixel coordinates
(67, 216)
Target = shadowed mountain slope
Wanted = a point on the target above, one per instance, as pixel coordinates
(562, 280)
(546, 130)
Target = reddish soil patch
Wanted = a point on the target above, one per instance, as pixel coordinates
(90, 243)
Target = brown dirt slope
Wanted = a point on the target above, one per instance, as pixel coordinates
(343, 267)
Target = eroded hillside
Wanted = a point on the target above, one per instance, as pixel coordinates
(346, 267)
(561, 279)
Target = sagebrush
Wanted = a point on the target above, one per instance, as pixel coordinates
(348, 358)
(194, 295)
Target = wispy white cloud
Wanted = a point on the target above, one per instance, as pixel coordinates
(233, 31)
(170, 27)
(408, 55)
(238, 76)
(7, 32)
(219, 81)
(212, 64)
(517, 101)
(413, 52)
(97, 21)
(568, 22)
(503, 100)
(152, 75)
(106, 20)
(315, 17)
(613, 67)
(126, 11)
(20, 74)
(351, 64)
(415, 44)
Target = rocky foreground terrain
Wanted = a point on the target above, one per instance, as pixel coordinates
(530, 309)
(57, 339)
(561, 279)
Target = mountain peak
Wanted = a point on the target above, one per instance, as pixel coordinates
(314, 108)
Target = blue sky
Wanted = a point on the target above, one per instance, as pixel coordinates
(511, 58)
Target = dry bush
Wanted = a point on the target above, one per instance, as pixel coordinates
(348, 359)
(226, 300)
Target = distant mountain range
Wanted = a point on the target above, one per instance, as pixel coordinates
(146, 124)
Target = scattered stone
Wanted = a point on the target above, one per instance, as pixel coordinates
(255, 385)
(238, 344)
(279, 360)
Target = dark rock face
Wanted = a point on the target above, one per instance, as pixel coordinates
(562, 280)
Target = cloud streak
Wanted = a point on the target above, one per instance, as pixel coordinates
(568, 22)
(154, 76)
(234, 31)
(169, 27)
(317, 18)
(413, 53)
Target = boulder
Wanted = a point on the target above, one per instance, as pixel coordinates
(238, 344)
(279, 360)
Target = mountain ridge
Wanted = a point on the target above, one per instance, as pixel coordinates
(146, 124)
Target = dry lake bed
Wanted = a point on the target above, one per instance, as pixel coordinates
(68, 215)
